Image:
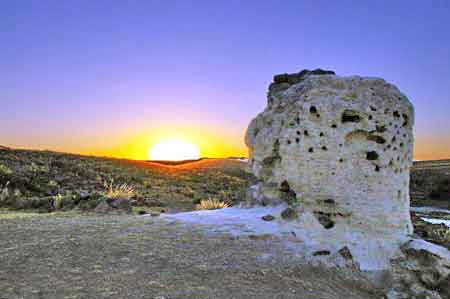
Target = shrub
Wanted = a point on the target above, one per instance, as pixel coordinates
(211, 204)
(5, 170)
(118, 190)
(57, 201)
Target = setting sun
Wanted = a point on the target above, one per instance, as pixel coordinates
(173, 150)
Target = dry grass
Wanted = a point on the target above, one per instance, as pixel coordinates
(442, 235)
(4, 192)
(118, 190)
(212, 204)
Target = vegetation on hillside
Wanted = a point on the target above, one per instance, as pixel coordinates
(46, 180)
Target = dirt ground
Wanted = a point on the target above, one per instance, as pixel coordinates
(87, 256)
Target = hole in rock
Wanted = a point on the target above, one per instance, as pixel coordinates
(372, 155)
(306, 132)
(324, 148)
(405, 120)
(396, 114)
(376, 138)
(324, 219)
(377, 168)
(313, 109)
(321, 252)
(310, 150)
(334, 126)
(284, 186)
(350, 116)
(381, 129)
(329, 201)
(297, 140)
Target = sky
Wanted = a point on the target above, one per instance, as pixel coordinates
(114, 77)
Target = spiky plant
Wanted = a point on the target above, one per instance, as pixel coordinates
(118, 190)
(212, 204)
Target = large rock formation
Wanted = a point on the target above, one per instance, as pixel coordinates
(336, 149)
(333, 155)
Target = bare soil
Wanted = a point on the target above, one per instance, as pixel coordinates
(63, 255)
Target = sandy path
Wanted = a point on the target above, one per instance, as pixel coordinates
(142, 257)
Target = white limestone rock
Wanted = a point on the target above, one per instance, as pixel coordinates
(338, 148)
(422, 271)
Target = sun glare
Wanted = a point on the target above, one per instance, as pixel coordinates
(173, 150)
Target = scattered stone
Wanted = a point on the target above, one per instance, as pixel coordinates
(103, 208)
(422, 272)
(268, 217)
(289, 214)
(122, 204)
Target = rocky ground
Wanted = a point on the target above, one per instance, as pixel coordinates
(66, 255)
(55, 244)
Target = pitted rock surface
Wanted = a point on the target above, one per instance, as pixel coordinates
(339, 147)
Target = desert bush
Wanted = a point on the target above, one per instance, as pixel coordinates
(118, 190)
(211, 204)
(5, 170)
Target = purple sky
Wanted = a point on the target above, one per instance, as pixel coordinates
(91, 76)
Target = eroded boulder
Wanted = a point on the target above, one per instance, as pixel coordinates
(338, 148)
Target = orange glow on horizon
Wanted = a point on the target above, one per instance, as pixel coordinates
(210, 143)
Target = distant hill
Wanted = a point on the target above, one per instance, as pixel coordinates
(4, 147)
(430, 183)
(431, 164)
(173, 163)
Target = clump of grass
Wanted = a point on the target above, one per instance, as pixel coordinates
(118, 190)
(442, 235)
(212, 204)
(57, 201)
(4, 192)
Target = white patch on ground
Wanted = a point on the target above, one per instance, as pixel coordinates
(436, 221)
(304, 236)
(428, 210)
